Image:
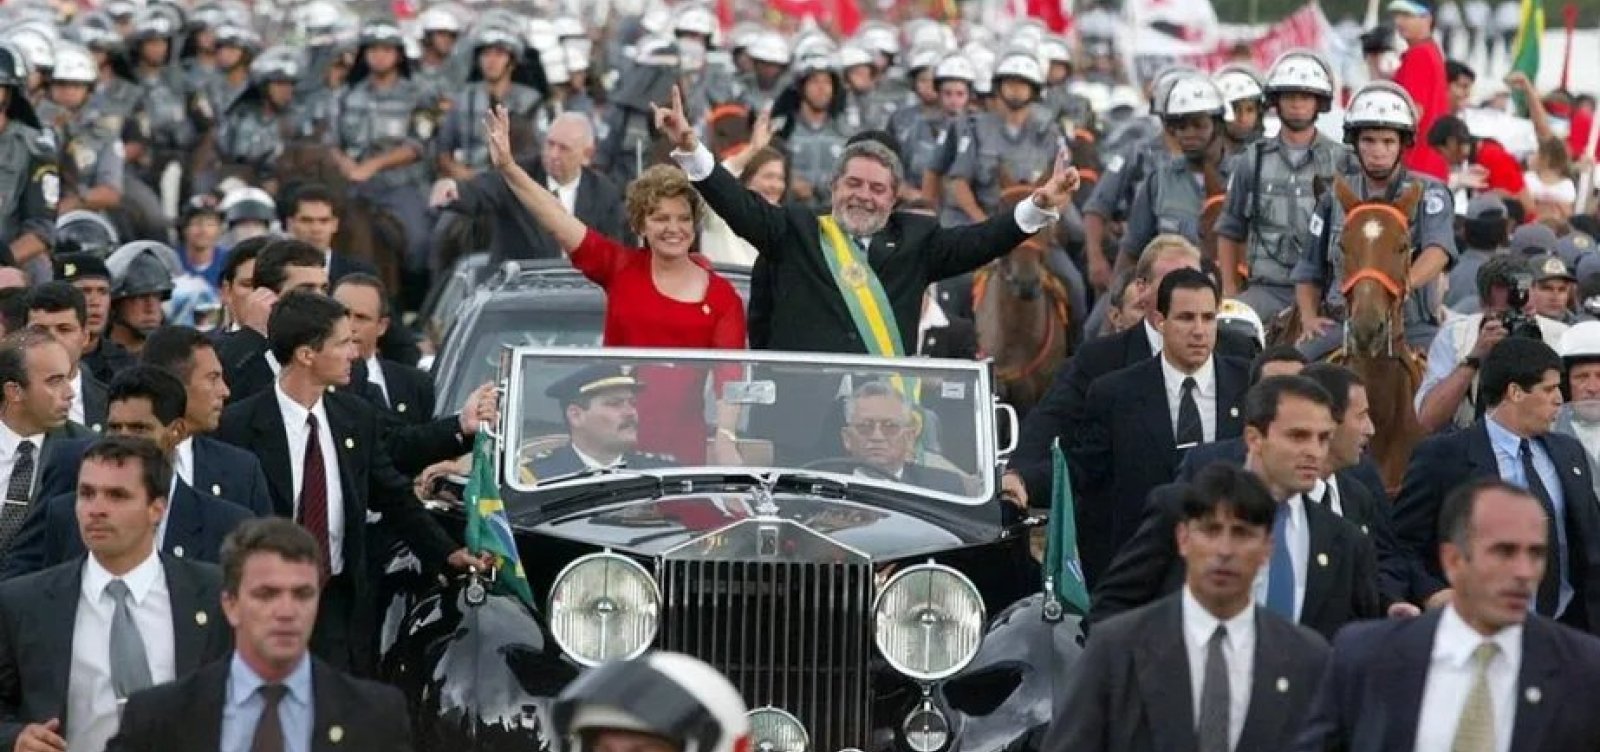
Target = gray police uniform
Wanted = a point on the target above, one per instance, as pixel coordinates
(462, 135)
(372, 121)
(923, 138)
(747, 91)
(814, 151)
(1068, 107)
(443, 81)
(220, 93)
(250, 138)
(990, 154)
(166, 109)
(30, 187)
(1322, 259)
(113, 102)
(94, 152)
(317, 110)
(869, 111)
(1168, 202)
(1271, 195)
(1124, 171)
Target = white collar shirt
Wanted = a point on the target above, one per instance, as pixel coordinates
(9, 442)
(93, 710)
(1238, 649)
(1152, 336)
(1205, 395)
(294, 423)
(1451, 674)
(75, 410)
(567, 192)
(375, 377)
(933, 317)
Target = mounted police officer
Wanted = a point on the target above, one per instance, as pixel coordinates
(30, 184)
(807, 118)
(1273, 189)
(758, 89)
(1126, 168)
(868, 106)
(382, 127)
(141, 280)
(440, 71)
(36, 44)
(954, 78)
(462, 149)
(261, 120)
(1172, 197)
(168, 109)
(1243, 90)
(1381, 124)
(599, 404)
(921, 124)
(1072, 110)
(1014, 144)
(116, 95)
(92, 154)
(237, 48)
(319, 89)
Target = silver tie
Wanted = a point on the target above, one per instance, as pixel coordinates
(1215, 705)
(130, 667)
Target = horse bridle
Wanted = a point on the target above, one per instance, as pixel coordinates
(1397, 289)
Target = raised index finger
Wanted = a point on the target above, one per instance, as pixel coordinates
(677, 100)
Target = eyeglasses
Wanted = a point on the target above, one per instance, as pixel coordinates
(889, 428)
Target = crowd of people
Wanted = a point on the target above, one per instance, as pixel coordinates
(214, 424)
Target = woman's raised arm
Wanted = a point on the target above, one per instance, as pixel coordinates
(539, 201)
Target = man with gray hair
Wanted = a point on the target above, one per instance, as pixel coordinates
(880, 434)
(854, 279)
(563, 166)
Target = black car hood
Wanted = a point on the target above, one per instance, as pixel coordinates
(652, 527)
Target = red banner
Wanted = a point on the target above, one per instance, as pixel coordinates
(1306, 28)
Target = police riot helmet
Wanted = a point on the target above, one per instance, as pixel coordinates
(669, 695)
(1163, 83)
(249, 204)
(229, 35)
(1381, 104)
(1301, 71)
(696, 19)
(440, 20)
(1020, 65)
(84, 231)
(14, 75)
(955, 67)
(36, 45)
(97, 37)
(853, 55)
(382, 33)
(769, 47)
(1054, 49)
(1581, 343)
(198, 205)
(880, 38)
(813, 44)
(75, 65)
(1192, 95)
(154, 22)
(567, 27)
(143, 267)
(1239, 83)
(494, 36)
(278, 64)
(922, 58)
(1240, 317)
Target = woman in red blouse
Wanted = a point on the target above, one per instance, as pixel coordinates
(662, 295)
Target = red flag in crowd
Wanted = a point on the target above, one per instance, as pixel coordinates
(1049, 11)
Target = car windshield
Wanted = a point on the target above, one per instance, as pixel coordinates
(910, 422)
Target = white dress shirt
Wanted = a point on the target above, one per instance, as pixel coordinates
(1299, 553)
(375, 377)
(1451, 672)
(183, 460)
(272, 363)
(92, 708)
(294, 422)
(1153, 336)
(75, 410)
(1326, 492)
(9, 441)
(1238, 649)
(1205, 395)
(566, 192)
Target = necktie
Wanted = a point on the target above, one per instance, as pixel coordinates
(18, 491)
(269, 728)
(1549, 596)
(1475, 730)
(130, 668)
(314, 493)
(1280, 570)
(1190, 432)
(1215, 705)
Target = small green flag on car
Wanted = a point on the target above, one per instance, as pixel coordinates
(1525, 49)
(1063, 570)
(488, 528)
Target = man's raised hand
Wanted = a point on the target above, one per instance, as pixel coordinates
(673, 122)
(1063, 183)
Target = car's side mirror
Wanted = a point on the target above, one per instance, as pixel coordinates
(1007, 429)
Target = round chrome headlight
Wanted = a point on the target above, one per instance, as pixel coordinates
(774, 730)
(929, 621)
(604, 607)
(926, 729)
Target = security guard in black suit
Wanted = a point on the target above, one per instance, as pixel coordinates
(602, 423)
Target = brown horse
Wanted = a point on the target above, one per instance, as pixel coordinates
(1022, 316)
(366, 231)
(1377, 263)
(1211, 211)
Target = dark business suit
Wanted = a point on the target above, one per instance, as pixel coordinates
(516, 234)
(196, 525)
(1444, 462)
(107, 360)
(244, 366)
(220, 470)
(1061, 410)
(48, 463)
(94, 402)
(1125, 447)
(347, 714)
(1340, 581)
(409, 392)
(958, 340)
(37, 614)
(368, 479)
(1130, 691)
(1370, 696)
(398, 342)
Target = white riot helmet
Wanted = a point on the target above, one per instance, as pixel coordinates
(1020, 65)
(1239, 82)
(852, 54)
(695, 19)
(769, 47)
(1054, 49)
(567, 27)
(1301, 71)
(1192, 95)
(667, 695)
(37, 48)
(922, 58)
(1163, 84)
(438, 19)
(812, 44)
(955, 67)
(879, 38)
(74, 65)
(1238, 316)
(1381, 104)
(1581, 342)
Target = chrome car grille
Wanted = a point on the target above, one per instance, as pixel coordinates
(796, 636)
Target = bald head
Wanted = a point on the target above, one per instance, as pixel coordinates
(568, 147)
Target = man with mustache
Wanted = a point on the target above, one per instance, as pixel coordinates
(1580, 417)
(602, 421)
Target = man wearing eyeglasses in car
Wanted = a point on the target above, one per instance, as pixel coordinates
(880, 434)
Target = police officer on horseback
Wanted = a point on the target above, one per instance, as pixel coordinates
(1381, 124)
(1172, 198)
(1125, 169)
(30, 184)
(115, 96)
(1014, 144)
(923, 125)
(1273, 188)
(261, 120)
(462, 149)
(1246, 96)
(807, 117)
(93, 153)
(168, 110)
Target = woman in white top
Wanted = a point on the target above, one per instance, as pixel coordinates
(762, 169)
(1549, 180)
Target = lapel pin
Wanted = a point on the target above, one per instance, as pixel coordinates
(177, 551)
(1363, 529)
(1533, 695)
(705, 309)
(1233, 412)
(1283, 684)
(400, 408)
(330, 389)
(1577, 471)
(216, 489)
(95, 428)
(200, 618)
(1322, 560)
(349, 443)
(335, 733)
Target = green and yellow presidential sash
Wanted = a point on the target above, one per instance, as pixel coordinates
(863, 293)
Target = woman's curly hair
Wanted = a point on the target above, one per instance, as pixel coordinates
(654, 185)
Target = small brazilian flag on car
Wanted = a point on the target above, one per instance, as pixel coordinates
(488, 527)
(1063, 570)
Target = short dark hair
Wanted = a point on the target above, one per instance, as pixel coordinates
(882, 136)
(302, 319)
(57, 296)
(1455, 515)
(273, 262)
(156, 471)
(309, 193)
(1515, 360)
(363, 279)
(13, 308)
(169, 399)
(14, 354)
(172, 348)
(1274, 354)
(1223, 485)
(1446, 128)
(1184, 279)
(271, 535)
(1262, 400)
(1338, 381)
(1454, 69)
(245, 250)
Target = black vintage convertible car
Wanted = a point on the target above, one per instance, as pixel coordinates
(825, 530)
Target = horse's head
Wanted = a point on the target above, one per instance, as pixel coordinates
(1022, 270)
(1377, 265)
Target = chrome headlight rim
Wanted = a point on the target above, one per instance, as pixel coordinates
(926, 709)
(962, 581)
(783, 716)
(555, 587)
